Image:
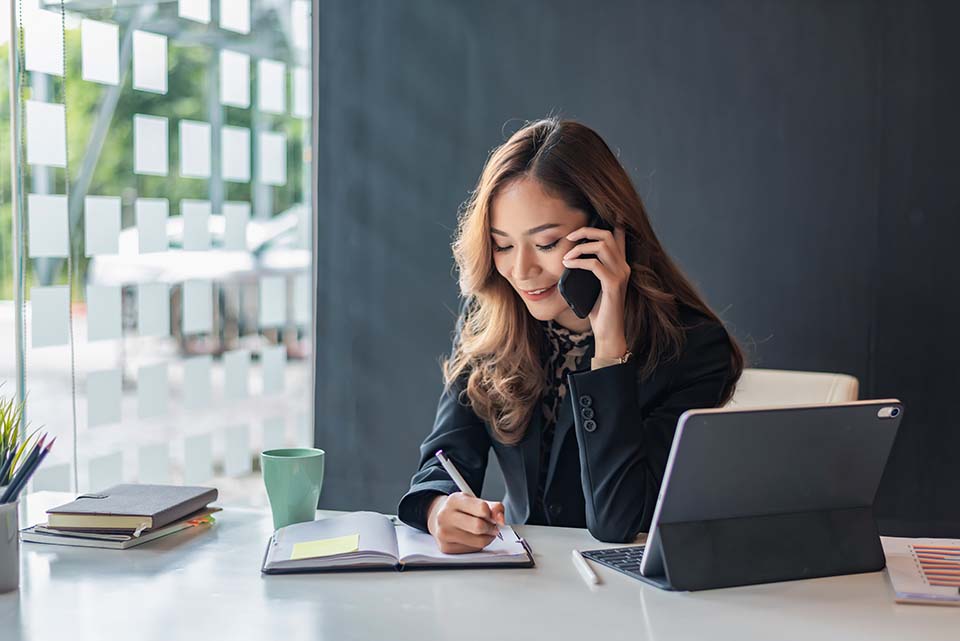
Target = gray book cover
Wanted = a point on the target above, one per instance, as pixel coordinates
(162, 503)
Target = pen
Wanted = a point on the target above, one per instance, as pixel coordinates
(589, 576)
(455, 475)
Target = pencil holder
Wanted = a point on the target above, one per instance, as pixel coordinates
(9, 547)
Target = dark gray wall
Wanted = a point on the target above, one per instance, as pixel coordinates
(796, 157)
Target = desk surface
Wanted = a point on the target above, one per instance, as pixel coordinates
(207, 585)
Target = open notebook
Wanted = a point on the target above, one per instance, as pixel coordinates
(368, 540)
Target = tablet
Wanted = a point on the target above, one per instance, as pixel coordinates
(744, 490)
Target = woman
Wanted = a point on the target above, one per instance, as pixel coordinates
(580, 412)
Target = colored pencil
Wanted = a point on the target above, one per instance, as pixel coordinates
(23, 473)
(5, 468)
(33, 469)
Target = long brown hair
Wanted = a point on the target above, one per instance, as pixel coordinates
(499, 344)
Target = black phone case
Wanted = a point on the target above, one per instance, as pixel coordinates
(579, 287)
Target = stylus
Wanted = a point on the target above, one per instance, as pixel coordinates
(589, 576)
(455, 475)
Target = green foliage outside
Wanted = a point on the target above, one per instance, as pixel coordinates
(186, 98)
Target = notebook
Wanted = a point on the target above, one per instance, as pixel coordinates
(923, 570)
(44, 534)
(368, 540)
(131, 508)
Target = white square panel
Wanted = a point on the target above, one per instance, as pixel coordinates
(104, 393)
(235, 15)
(302, 300)
(100, 51)
(46, 134)
(196, 224)
(152, 214)
(236, 374)
(271, 86)
(194, 149)
(304, 234)
(103, 312)
(273, 362)
(196, 10)
(47, 225)
(274, 433)
(301, 92)
(237, 216)
(153, 464)
(101, 225)
(237, 455)
(197, 307)
(52, 478)
(300, 23)
(272, 166)
(153, 309)
(105, 471)
(234, 79)
(197, 459)
(49, 315)
(150, 145)
(197, 389)
(43, 41)
(235, 154)
(149, 62)
(152, 390)
(273, 301)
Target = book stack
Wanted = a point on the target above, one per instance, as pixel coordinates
(125, 516)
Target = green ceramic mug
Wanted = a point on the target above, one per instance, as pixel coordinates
(293, 477)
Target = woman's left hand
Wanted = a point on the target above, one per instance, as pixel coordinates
(611, 267)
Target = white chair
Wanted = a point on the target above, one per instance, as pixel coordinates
(777, 387)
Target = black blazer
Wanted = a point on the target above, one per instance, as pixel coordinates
(617, 427)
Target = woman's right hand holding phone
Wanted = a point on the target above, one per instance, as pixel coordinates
(462, 523)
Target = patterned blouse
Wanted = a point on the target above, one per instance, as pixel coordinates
(567, 350)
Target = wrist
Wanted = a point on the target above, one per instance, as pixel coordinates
(432, 512)
(610, 349)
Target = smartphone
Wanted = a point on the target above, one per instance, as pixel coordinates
(579, 287)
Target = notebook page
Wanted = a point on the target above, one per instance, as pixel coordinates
(377, 544)
(418, 547)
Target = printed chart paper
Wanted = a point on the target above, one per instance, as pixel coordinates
(273, 301)
(273, 361)
(197, 459)
(43, 41)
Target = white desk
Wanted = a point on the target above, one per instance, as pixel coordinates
(207, 585)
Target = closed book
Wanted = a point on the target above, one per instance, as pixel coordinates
(49, 536)
(132, 507)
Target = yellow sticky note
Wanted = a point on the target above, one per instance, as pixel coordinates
(325, 547)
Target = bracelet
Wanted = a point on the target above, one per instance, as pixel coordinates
(604, 362)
